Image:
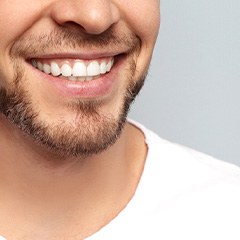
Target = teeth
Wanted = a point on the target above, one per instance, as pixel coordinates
(72, 78)
(34, 63)
(55, 69)
(103, 67)
(93, 69)
(79, 72)
(109, 65)
(46, 68)
(39, 66)
(66, 70)
(89, 78)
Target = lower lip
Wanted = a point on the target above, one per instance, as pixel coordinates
(99, 87)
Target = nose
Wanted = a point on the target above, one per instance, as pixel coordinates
(94, 16)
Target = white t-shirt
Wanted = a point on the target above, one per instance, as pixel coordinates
(182, 195)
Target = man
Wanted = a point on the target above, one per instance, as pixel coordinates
(71, 166)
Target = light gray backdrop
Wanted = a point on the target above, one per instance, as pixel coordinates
(192, 93)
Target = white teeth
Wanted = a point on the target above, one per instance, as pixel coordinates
(89, 78)
(66, 70)
(39, 66)
(72, 78)
(46, 68)
(79, 70)
(109, 65)
(93, 69)
(55, 70)
(103, 67)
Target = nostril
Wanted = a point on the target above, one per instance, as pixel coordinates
(92, 17)
(73, 25)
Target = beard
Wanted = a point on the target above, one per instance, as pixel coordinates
(91, 131)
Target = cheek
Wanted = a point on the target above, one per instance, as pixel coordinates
(146, 21)
(144, 18)
(15, 18)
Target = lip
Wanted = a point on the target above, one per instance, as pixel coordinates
(100, 87)
(84, 55)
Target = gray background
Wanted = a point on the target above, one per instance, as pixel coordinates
(192, 92)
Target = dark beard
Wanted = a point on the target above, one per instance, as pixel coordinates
(89, 133)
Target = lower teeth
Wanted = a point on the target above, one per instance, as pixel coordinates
(79, 79)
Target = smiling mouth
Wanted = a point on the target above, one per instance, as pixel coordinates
(79, 70)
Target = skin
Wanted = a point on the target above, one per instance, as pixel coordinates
(49, 195)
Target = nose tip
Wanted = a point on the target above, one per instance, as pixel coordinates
(94, 16)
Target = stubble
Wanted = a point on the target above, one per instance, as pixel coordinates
(91, 132)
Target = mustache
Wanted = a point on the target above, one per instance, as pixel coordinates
(69, 39)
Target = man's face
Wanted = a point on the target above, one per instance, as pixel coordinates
(70, 69)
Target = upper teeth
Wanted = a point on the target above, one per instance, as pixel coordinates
(85, 70)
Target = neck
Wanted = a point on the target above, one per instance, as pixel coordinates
(54, 188)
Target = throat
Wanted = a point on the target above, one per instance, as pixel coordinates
(57, 203)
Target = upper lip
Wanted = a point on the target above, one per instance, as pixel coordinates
(77, 55)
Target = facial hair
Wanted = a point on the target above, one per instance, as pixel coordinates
(91, 132)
